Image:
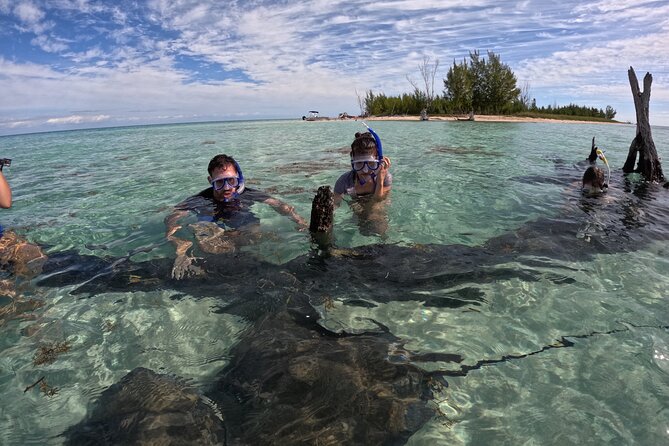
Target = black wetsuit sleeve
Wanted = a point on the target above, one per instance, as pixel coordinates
(255, 195)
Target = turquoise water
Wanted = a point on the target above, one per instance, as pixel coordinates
(106, 193)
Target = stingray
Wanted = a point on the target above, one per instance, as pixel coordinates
(148, 408)
(475, 150)
(381, 273)
(290, 381)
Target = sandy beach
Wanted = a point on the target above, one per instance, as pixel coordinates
(486, 118)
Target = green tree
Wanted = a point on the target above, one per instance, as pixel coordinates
(479, 85)
(610, 113)
(501, 81)
(458, 87)
(485, 86)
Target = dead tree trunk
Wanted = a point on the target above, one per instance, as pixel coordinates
(649, 164)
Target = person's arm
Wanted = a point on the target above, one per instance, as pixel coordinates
(341, 186)
(287, 210)
(5, 193)
(183, 264)
(381, 189)
(172, 226)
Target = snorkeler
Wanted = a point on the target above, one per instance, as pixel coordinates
(19, 259)
(225, 220)
(369, 173)
(594, 181)
(368, 182)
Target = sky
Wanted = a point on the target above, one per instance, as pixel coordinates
(67, 64)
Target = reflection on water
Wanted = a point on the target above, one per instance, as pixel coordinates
(500, 307)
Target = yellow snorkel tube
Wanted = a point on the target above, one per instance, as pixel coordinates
(601, 156)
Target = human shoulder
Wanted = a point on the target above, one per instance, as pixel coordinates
(344, 182)
(254, 195)
(197, 200)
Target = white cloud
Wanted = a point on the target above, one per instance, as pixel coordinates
(28, 13)
(49, 45)
(77, 119)
(603, 61)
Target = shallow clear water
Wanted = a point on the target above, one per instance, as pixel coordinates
(107, 192)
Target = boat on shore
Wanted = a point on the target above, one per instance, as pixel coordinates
(311, 116)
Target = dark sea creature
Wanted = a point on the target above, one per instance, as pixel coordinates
(146, 408)
(306, 169)
(479, 151)
(393, 272)
(290, 381)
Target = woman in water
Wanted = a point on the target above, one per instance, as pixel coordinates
(367, 183)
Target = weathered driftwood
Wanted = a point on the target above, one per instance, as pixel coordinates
(322, 217)
(649, 163)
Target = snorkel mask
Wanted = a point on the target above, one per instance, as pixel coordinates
(372, 166)
(235, 182)
(601, 156)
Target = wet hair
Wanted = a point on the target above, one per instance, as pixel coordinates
(364, 144)
(595, 177)
(221, 162)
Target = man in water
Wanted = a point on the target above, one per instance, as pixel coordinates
(225, 220)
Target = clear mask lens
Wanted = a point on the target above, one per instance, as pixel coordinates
(219, 183)
(360, 165)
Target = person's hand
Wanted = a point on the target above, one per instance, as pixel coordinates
(383, 169)
(385, 162)
(302, 224)
(183, 267)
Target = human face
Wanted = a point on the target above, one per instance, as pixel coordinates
(227, 191)
(365, 165)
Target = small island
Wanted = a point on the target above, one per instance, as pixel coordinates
(477, 89)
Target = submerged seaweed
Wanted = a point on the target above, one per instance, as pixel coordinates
(47, 354)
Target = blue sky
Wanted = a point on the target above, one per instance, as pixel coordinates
(86, 63)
